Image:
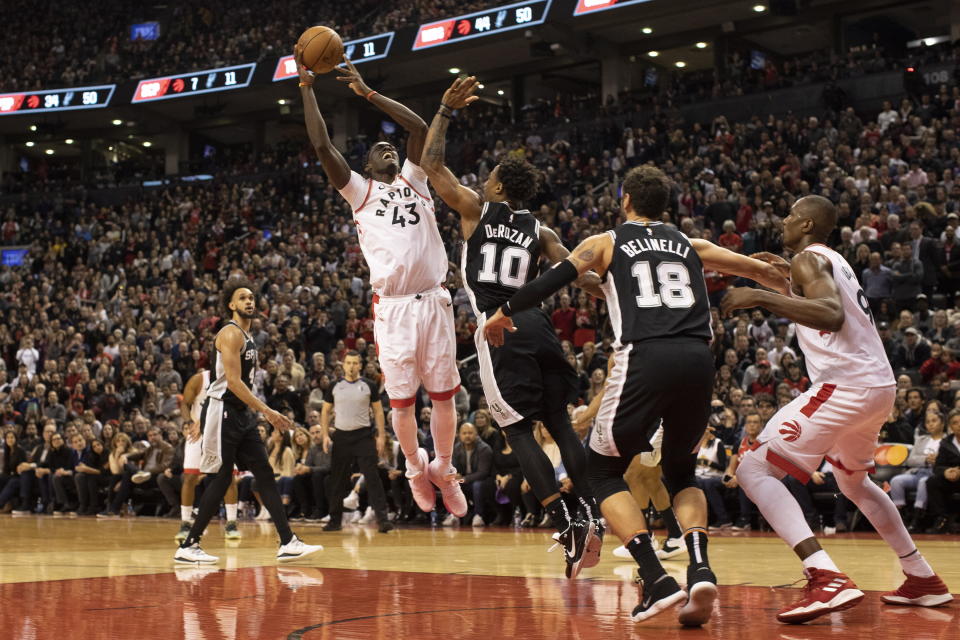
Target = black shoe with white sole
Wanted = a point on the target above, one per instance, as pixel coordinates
(657, 598)
(701, 594)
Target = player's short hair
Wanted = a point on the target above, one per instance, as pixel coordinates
(231, 288)
(352, 352)
(649, 190)
(520, 179)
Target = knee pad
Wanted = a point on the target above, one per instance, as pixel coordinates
(605, 475)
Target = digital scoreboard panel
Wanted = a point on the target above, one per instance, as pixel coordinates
(585, 7)
(189, 84)
(56, 100)
(359, 50)
(482, 23)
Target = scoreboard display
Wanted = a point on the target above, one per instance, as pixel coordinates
(191, 84)
(585, 7)
(482, 23)
(56, 100)
(359, 50)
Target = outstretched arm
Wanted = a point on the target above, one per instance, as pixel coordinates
(459, 198)
(336, 168)
(717, 258)
(402, 115)
(819, 308)
(555, 252)
(593, 253)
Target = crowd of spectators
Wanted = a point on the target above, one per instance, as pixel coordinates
(117, 305)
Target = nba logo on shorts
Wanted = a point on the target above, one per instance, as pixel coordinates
(790, 431)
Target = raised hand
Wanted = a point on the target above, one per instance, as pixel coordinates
(460, 93)
(352, 77)
(306, 76)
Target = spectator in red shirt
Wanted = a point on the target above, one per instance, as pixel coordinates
(941, 361)
(764, 382)
(730, 239)
(795, 379)
(564, 319)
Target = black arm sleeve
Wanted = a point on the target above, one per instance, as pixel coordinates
(536, 291)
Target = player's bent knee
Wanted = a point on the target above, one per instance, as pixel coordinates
(675, 483)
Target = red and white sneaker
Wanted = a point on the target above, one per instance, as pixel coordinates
(825, 592)
(420, 486)
(446, 481)
(919, 592)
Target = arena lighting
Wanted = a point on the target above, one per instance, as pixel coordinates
(647, 30)
(117, 123)
(281, 101)
(29, 143)
(653, 54)
(499, 92)
(69, 141)
(480, 86)
(147, 143)
(453, 70)
(680, 64)
(759, 8)
(33, 127)
(49, 152)
(701, 45)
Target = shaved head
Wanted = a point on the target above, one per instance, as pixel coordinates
(821, 211)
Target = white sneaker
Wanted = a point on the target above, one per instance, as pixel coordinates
(621, 552)
(295, 549)
(193, 555)
(264, 515)
(478, 521)
(449, 521)
(325, 519)
(368, 516)
(672, 547)
(352, 501)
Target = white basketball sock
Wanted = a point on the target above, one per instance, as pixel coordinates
(231, 512)
(186, 513)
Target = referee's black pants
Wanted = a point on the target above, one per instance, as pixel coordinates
(348, 446)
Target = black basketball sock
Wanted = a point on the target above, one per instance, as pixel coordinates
(559, 514)
(670, 519)
(641, 548)
(696, 539)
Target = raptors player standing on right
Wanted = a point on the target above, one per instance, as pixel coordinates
(413, 312)
(839, 417)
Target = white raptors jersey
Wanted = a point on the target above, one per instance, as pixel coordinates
(398, 232)
(853, 356)
(197, 405)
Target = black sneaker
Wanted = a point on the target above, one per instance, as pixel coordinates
(661, 595)
(591, 554)
(701, 594)
(333, 526)
(386, 526)
(574, 542)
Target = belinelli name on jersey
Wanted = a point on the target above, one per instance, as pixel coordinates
(637, 246)
(504, 232)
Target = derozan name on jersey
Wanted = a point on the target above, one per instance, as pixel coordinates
(634, 247)
(512, 235)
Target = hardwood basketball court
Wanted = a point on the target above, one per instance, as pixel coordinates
(87, 578)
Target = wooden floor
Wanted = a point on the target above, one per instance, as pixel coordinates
(84, 578)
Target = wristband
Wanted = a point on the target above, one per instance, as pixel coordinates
(371, 94)
(444, 115)
(306, 84)
(449, 109)
(505, 309)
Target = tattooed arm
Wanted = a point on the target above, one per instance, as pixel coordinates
(459, 198)
(594, 253)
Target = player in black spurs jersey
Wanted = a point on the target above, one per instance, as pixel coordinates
(528, 379)
(229, 427)
(663, 369)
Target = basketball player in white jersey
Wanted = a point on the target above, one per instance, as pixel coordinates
(191, 403)
(839, 417)
(413, 312)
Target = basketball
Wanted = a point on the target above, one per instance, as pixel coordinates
(322, 49)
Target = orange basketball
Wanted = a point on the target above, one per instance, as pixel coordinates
(322, 49)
